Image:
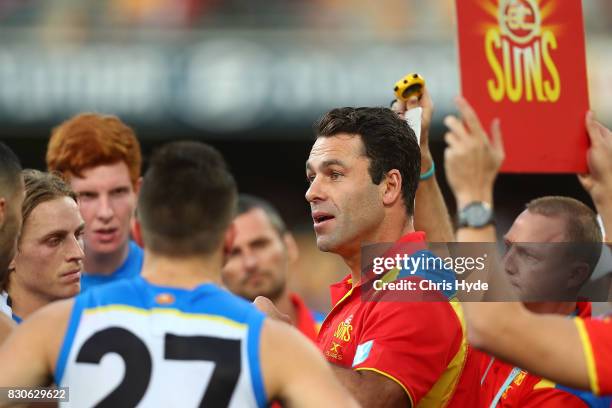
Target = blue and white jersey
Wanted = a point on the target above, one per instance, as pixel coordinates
(130, 268)
(131, 343)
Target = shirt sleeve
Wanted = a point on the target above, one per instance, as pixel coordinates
(546, 395)
(412, 343)
(596, 339)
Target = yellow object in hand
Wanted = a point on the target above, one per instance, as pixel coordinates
(411, 84)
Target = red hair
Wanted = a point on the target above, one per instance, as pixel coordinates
(88, 140)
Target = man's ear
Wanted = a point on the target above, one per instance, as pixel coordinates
(2, 211)
(138, 185)
(228, 240)
(392, 187)
(292, 248)
(579, 275)
(12, 265)
(136, 231)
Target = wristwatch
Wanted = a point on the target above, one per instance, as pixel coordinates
(476, 214)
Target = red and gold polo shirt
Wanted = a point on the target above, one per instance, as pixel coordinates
(518, 388)
(308, 323)
(419, 345)
(596, 338)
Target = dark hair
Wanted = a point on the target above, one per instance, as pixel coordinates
(581, 225)
(187, 200)
(10, 171)
(389, 143)
(247, 202)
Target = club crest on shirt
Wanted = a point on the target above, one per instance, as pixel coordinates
(343, 331)
(342, 335)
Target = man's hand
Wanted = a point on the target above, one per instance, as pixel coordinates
(471, 160)
(598, 182)
(426, 103)
(266, 306)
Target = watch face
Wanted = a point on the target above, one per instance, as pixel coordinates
(477, 214)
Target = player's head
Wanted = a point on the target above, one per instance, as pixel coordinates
(100, 156)
(11, 197)
(262, 250)
(49, 258)
(363, 171)
(187, 201)
(553, 247)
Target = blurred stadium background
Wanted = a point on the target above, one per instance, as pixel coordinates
(250, 77)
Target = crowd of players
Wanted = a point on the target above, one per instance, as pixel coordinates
(118, 286)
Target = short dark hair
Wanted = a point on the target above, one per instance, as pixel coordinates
(10, 171)
(187, 200)
(247, 202)
(389, 143)
(581, 226)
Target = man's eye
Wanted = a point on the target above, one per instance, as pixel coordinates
(335, 175)
(310, 179)
(119, 192)
(86, 196)
(54, 241)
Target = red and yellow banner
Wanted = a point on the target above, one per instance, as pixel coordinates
(524, 62)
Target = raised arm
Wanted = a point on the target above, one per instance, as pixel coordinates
(598, 182)
(570, 352)
(430, 214)
(472, 162)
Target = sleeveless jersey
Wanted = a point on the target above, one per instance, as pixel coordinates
(131, 343)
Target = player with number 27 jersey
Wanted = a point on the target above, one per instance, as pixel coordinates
(133, 343)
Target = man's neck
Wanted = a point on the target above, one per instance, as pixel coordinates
(560, 308)
(185, 272)
(284, 304)
(388, 233)
(23, 302)
(105, 263)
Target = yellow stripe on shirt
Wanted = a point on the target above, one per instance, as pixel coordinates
(392, 378)
(588, 355)
(158, 310)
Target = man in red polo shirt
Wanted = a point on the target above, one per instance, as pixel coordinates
(363, 172)
(574, 352)
(550, 275)
(259, 260)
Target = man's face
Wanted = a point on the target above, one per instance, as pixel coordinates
(346, 206)
(49, 259)
(10, 229)
(107, 201)
(539, 272)
(258, 261)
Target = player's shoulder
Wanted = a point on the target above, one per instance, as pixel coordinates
(124, 291)
(138, 293)
(51, 318)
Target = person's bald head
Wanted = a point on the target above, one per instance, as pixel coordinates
(11, 198)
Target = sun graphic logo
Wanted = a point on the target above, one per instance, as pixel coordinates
(520, 50)
(520, 20)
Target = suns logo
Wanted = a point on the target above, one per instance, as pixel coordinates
(343, 331)
(519, 51)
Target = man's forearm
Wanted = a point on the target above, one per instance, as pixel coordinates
(371, 389)
(546, 345)
(605, 211)
(430, 211)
